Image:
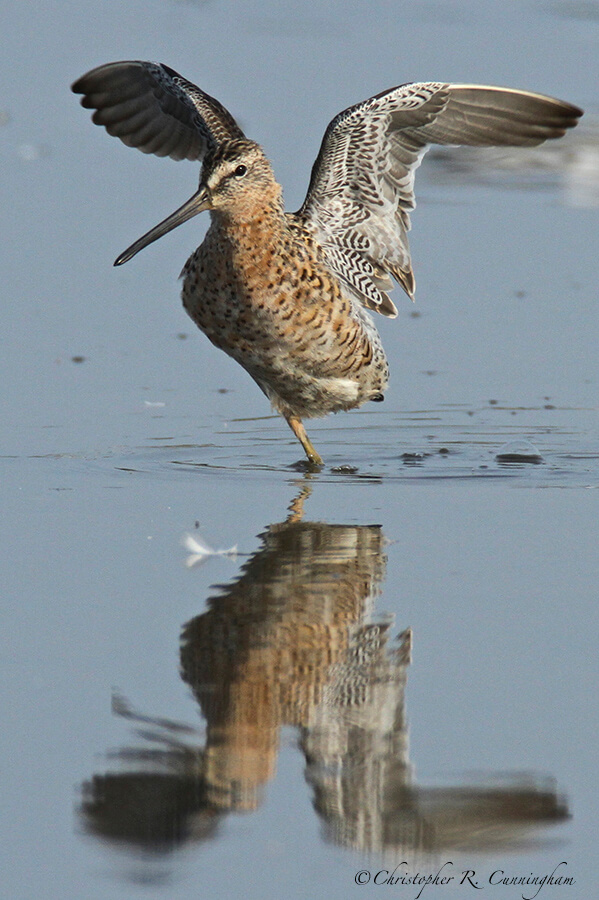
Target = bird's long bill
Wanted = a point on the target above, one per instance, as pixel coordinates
(196, 204)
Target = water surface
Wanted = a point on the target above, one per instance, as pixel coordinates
(397, 663)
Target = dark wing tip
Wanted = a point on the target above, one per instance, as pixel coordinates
(150, 106)
(108, 75)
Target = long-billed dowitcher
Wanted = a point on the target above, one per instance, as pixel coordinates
(288, 294)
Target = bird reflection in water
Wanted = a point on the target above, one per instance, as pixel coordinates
(294, 641)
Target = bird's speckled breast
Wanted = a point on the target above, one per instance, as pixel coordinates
(261, 291)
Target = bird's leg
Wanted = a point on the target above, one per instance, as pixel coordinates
(299, 431)
(296, 507)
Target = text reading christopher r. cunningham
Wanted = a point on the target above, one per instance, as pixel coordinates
(528, 884)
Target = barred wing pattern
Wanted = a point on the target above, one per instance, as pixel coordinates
(150, 106)
(362, 186)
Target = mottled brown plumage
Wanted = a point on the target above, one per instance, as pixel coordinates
(288, 295)
(259, 287)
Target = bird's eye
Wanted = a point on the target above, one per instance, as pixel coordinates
(240, 171)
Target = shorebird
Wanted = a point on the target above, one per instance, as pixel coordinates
(289, 295)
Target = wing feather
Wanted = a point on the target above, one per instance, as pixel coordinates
(362, 186)
(151, 107)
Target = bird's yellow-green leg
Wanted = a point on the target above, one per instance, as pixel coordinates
(300, 432)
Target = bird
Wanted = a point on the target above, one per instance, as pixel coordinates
(291, 295)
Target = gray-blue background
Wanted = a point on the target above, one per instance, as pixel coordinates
(108, 462)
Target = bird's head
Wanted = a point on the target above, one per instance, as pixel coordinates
(236, 180)
(236, 175)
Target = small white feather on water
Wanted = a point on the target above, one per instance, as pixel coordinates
(200, 550)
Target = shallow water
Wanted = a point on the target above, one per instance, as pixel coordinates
(397, 665)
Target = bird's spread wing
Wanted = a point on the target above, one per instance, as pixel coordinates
(362, 187)
(150, 106)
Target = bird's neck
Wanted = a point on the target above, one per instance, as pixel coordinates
(263, 209)
(254, 235)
